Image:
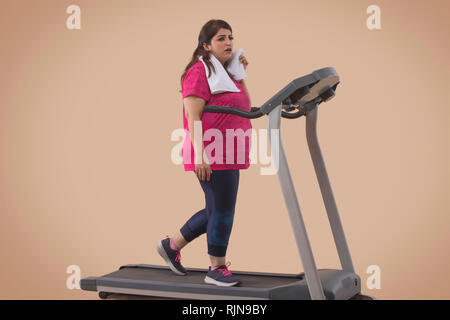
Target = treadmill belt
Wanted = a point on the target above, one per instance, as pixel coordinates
(196, 276)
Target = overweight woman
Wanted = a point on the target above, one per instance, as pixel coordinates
(219, 179)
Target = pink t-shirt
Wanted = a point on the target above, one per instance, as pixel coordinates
(228, 134)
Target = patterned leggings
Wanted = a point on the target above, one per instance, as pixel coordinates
(216, 219)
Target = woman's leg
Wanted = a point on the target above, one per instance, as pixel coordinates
(217, 218)
(219, 227)
(197, 224)
(223, 188)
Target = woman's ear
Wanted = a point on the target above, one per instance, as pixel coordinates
(206, 47)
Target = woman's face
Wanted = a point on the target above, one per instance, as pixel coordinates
(221, 45)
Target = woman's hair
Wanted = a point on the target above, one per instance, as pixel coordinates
(208, 31)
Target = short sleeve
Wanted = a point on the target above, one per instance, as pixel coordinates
(195, 83)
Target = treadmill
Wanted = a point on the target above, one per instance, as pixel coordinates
(300, 97)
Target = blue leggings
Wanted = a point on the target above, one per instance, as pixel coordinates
(216, 220)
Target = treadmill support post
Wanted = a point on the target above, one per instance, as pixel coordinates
(327, 192)
(295, 215)
(293, 207)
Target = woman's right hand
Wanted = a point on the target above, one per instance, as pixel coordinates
(203, 171)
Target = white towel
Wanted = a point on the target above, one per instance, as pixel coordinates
(220, 81)
(235, 67)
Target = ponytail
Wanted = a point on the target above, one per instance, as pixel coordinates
(199, 52)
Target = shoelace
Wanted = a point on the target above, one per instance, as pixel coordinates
(225, 271)
(178, 257)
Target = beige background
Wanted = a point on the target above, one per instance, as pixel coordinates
(86, 118)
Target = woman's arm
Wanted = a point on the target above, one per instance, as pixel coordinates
(193, 108)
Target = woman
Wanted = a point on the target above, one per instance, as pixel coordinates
(218, 179)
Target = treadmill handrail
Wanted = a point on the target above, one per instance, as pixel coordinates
(253, 114)
(304, 89)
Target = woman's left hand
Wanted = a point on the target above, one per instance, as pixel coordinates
(243, 60)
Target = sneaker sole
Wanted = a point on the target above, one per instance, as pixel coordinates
(166, 258)
(209, 280)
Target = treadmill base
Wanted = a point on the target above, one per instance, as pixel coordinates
(160, 281)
